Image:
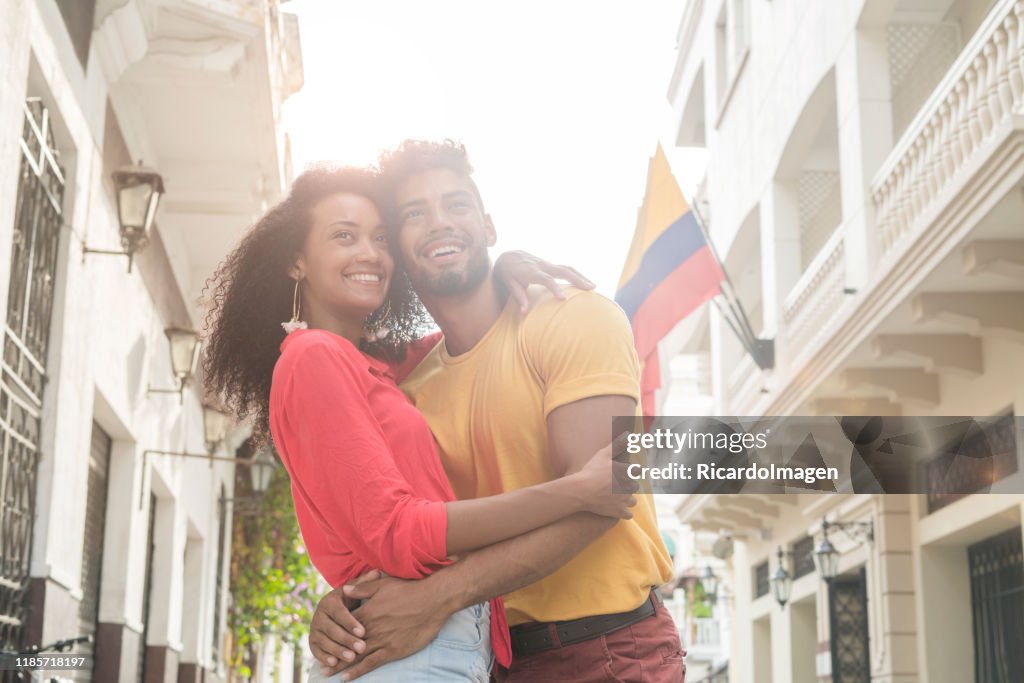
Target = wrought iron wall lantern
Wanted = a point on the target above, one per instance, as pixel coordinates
(826, 557)
(216, 425)
(262, 464)
(709, 580)
(139, 189)
(782, 580)
(185, 346)
(261, 471)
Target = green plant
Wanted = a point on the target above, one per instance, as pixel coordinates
(701, 606)
(273, 583)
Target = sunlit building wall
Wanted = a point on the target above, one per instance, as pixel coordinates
(99, 539)
(865, 188)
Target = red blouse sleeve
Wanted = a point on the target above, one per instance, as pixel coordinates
(343, 467)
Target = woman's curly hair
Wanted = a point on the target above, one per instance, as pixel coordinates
(250, 295)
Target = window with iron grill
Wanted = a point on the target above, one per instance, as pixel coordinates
(803, 557)
(848, 616)
(761, 582)
(26, 335)
(986, 454)
(997, 602)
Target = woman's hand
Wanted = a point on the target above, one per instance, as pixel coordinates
(604, 489)
(517, 270)
(336, 638)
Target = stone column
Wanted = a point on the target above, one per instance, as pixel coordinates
(780, 257)
(741, 643)
(893, 619)
(782, 641)
(864, 115)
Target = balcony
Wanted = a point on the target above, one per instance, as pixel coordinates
(197, 88)
(963, 126)
(950, 253)
(816, 299)
(703, 639)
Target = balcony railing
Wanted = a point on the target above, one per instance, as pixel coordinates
(704, 640)
(979, 94)
(817, 296)
(705, 633)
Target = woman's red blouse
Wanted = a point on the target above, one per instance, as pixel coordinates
(368, 485)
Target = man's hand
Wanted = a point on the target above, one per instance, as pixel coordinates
(400, 617)
(397, 619)
(517, 270)
(335, 635)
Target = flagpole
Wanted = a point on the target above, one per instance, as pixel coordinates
(734, 304)
(732, 326)
(756, 347)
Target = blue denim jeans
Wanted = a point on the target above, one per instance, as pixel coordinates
(460, 652)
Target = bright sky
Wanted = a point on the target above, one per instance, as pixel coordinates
(560, 105)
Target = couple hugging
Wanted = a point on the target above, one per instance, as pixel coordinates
(454, 488)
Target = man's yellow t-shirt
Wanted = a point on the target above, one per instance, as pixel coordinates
(488, 408)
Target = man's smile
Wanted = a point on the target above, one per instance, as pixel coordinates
(443, 251)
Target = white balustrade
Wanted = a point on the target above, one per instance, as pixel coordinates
(705, 632)
(817, 296)
(983, 88)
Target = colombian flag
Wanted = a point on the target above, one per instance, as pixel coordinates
(669, 272)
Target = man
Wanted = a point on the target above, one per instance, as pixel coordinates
(514, 398)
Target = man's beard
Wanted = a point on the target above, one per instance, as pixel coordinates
(450, 283)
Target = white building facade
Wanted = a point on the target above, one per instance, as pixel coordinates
(98, 538)
(865, 189)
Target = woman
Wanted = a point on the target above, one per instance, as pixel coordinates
(367, 483)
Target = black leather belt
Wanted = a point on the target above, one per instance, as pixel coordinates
(533, 638)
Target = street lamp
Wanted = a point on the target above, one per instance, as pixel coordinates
(184, 353)
(215, 427)
(710, 582)
(185, 346)
(261, 469)
(826, 557)
(782, 582)
(139, 189)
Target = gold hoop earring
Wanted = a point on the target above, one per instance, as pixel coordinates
(295, 324)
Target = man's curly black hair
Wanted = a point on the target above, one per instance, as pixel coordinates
(416, 156)
(250, 295)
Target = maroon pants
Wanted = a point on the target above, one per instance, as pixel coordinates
(646, 652)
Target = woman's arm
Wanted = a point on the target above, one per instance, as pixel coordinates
(480, 522)
(341, 464)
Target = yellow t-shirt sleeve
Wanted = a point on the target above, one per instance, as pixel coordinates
(581, 348)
